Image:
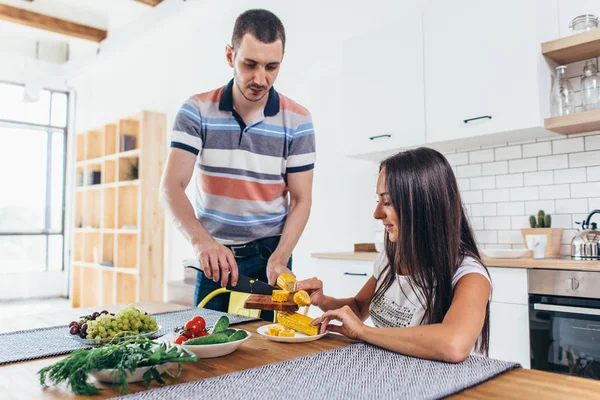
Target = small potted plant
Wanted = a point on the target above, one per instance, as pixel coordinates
(542, 225)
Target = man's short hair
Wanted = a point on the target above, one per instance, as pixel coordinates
(262, 24)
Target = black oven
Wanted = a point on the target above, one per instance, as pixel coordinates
(564, 322)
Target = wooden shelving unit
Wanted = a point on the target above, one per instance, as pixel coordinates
(567, 50)
(117, 216)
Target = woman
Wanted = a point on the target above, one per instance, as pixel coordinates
(429, 293)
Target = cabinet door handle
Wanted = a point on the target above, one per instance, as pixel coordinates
(354, 274)
(379, 137)
(466, 121)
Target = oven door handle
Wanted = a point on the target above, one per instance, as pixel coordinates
(566, 309)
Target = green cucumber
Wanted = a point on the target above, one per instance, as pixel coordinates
(215, 338)
(221, 325)
(239, 335)
(229, 331)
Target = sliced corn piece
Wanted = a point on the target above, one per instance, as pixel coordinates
(286, 282)
(280, 296)
(287, 332)
(302, 298)
(273, 330)
(298, 322)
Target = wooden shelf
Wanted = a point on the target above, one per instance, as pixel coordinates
(101, 212)
(570, 49)
(580, 122)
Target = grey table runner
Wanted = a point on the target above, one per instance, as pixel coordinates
(358, 371)
(32, 344)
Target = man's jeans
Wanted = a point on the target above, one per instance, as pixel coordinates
(254, 266)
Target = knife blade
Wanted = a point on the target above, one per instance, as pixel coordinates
(245, 284)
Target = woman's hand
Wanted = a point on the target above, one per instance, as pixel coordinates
(314, 287)
(351, 327)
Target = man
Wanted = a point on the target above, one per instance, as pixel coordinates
(251, 147)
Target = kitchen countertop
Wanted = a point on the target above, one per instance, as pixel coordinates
(564, 263)
(20, 380)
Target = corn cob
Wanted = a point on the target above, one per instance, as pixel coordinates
(280, 296)
(286, 282)
(302, 298)
(287, 332)
(298, 322)
(274, 330)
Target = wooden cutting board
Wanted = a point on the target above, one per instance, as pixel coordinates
(265, 302)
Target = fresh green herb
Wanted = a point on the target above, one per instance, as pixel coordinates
(123, 357)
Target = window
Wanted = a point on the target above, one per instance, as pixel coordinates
(32, 180)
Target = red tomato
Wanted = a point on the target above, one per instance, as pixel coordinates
(204, 333)
(195, 328)
(200, 322)
(180, 339)
(187, 333)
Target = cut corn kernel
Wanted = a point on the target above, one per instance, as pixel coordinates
(286, 282)
(274, 330)
(280, 296)
(298, 322)
(287, 333)
(302, 298)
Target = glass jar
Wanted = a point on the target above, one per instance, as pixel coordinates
(561, 94)
(590, 86)
(583, 23)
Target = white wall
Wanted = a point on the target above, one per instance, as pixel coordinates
(184, 54)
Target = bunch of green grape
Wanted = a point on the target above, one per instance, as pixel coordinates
(129, 319)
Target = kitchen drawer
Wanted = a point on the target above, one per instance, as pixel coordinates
(509, 285)
(343, 278)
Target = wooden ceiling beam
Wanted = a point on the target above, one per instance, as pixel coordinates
(41, 21)
(152, 3)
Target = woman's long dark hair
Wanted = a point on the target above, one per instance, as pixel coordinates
(434, 235)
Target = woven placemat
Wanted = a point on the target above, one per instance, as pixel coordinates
(358, 371)
(32, 344)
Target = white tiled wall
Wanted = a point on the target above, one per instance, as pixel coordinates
(502, 186)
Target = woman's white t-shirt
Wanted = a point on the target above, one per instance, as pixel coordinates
(400, 305)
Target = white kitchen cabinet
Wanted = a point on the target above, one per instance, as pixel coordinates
(509, 333)
(483, 60)
(569, 9)
(382, 80)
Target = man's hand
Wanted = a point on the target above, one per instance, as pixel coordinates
(275, 267)
(314, 287)
(216, 261)
(351, 327)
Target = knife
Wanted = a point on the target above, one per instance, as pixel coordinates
(245, 284)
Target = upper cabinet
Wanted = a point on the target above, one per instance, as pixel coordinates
(484, 72)
(383, 90)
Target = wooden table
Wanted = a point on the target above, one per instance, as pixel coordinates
(20, 380)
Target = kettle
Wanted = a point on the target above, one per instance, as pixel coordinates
(586, 243)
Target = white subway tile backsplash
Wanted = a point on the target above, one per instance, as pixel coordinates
(510, 237)
(486, 237)
(594, 204)
(481, 156)
(572, 175)
(586, 159)
(589, 189)
(483, 182)
(464, 183)
(562, 221)
(568, 235)
(457, 158)
(477, 223)
(592, 143)
(538, 178)
(508, 153)
(593, 174)
(511, 208)
(565, 146)
(570, 206)
(494, 168)
(508, 181)
(494, 196)
(537, 149)
(555, 192)
(553, 162)
(492, 223)
(532, 207)
(472, 196)
(467, 171)
(483, 210)
(522, 165)
(525, 193)
(519, 222)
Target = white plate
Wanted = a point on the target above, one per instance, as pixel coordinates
(213, 350)
(299, 337)
(106, 375)
(104, 341)
(506, 253)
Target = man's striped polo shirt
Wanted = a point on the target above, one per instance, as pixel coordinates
(241, 170)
